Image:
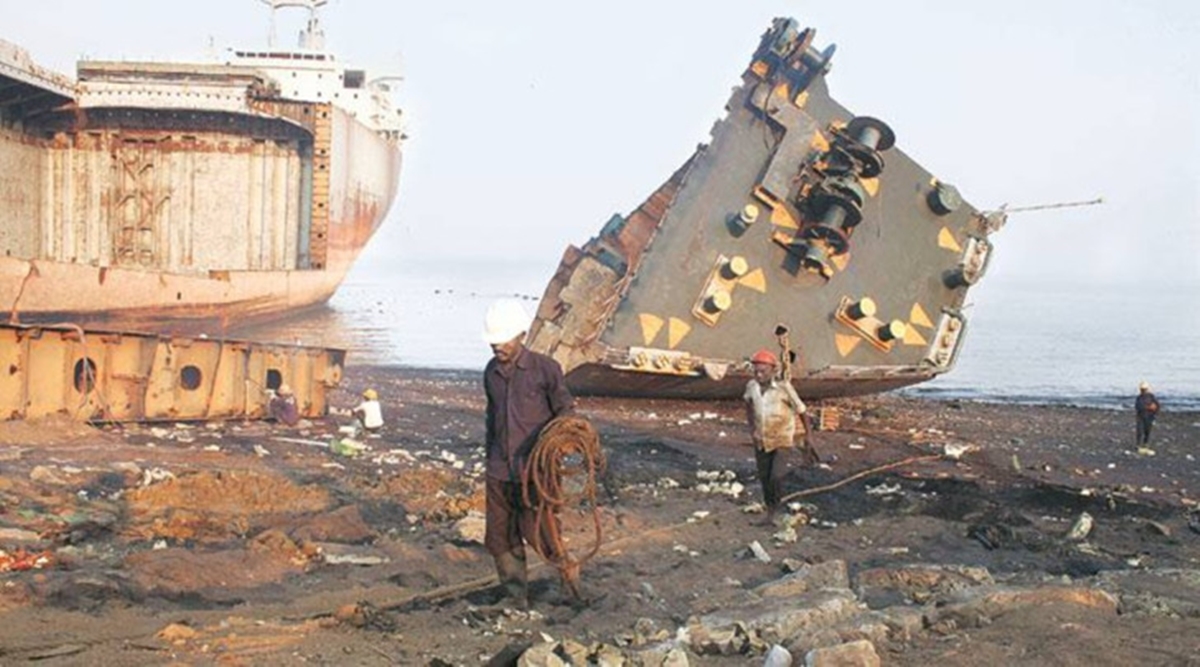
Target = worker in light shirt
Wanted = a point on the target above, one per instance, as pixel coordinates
(369, 413)
(773, 411)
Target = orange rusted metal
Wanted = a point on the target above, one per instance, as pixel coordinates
(125, 376)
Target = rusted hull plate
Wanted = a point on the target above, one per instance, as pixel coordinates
(43, 292)
(123, 376)
(601, 380)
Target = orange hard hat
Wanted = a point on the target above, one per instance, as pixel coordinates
(764, 357)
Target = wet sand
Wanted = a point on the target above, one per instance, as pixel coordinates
(250, 543)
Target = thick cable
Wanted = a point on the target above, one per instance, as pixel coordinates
(566, 455)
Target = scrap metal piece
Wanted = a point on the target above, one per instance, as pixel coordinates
(129, 376)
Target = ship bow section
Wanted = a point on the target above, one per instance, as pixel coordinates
(801, 226)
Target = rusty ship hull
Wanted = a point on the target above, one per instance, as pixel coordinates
(162, 196)
(799, 227)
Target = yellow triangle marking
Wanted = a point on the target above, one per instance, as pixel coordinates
(781, 217)
(801, 99)
(919, 317)
(840, 261)
(871, 185)
(914, 337)
(947, 241)
(819, 142)
(782, 90)
(651, 325)
(676, 330)
(755, 280)
(846, 344)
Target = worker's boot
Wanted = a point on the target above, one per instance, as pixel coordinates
(510, 567)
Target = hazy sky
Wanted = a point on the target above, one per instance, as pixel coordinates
(532, 122)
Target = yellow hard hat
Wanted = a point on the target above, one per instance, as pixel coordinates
(370, 395)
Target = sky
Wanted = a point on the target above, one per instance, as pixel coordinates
(532, 122)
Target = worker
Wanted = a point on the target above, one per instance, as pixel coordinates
(368, 412)
(282, 406)
(772, 410)
(525, 390)
(1146, 408)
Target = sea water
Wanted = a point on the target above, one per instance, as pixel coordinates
(1029, 343)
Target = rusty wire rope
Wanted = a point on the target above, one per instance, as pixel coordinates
(561, 473)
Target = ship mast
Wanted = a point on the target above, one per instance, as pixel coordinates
(312, 37)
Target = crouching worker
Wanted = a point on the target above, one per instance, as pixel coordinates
(282, 407)
(525, 391)
(772, 411)
(369, 413)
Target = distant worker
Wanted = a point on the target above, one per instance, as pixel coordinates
(772, 410)
(369, 413)
(1146, 407)
(282, 407)
(525, 390)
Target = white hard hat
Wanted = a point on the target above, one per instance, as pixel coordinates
(506, 319)
(1144, 386)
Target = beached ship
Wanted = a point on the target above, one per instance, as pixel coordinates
(172, 196)
(798, 218)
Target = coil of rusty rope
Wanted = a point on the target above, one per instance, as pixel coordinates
(561, 473)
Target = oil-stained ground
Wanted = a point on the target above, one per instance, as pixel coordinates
(252, 543)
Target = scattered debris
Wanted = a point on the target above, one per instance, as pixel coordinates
(1081, 528)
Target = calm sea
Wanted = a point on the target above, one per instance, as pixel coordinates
(1025, 343)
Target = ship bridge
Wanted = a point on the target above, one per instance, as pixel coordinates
(27, 89)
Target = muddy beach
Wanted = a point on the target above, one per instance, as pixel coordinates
(1026, 535)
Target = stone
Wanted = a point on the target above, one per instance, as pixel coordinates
(778, 656)
(541, 655)
(351, 614)
(759, 552)
(47, 475)
(920, 582)
(854, 654)
(866, 626)
(128, 467)
(609, 656)
(574, 652)
(1081, 528)
(1160, 592)
(344, 525)
(777, 620)
(676, 657)
(729, 640)
(830, 574)
(471, 528)
(176, 632)
(341, 554)
(978, 607)
(902, 622)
